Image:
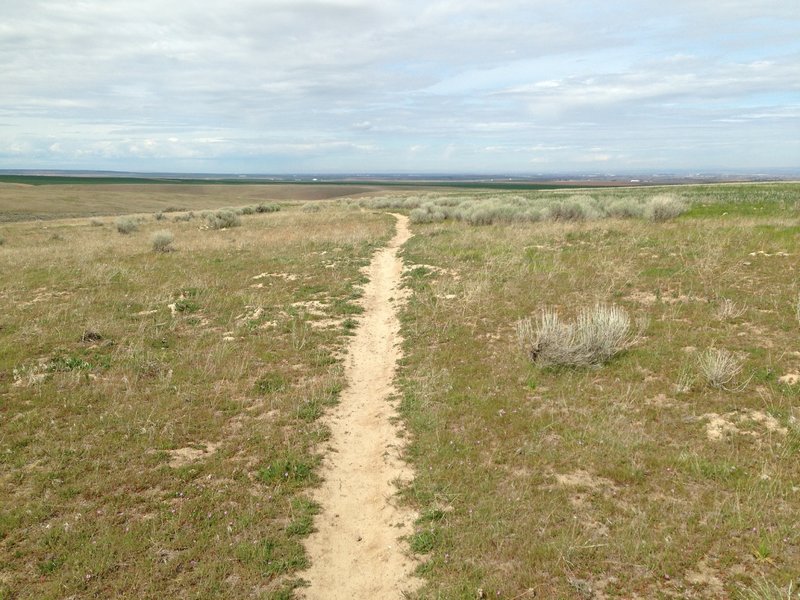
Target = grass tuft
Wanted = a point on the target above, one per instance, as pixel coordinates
(594, 338)
(719, 367)
(728, 311)
(767, 590)
(797, 308)
(270, 383)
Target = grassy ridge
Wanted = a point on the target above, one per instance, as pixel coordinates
(637, 478)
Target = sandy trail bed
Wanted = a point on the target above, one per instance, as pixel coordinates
(355, 552)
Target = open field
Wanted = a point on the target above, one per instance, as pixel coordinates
(20, 202)
(160, 429)
(633, 479)
(159, 409)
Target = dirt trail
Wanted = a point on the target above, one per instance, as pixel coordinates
(355, 552)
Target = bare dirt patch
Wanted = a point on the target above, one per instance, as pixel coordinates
(356, 551)
(733, 423)
(584, 479)
(184, 456)
(703, 576)
(284, 276)
(649, 298)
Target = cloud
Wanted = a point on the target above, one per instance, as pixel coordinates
(353, 84)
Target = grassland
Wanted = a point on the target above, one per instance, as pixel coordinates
(159, 411)
(22, 202)
(634, 479)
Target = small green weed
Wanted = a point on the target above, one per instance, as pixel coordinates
(286, 469)
(270, 383)
(423, 542)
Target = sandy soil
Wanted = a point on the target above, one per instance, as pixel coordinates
(356, 552)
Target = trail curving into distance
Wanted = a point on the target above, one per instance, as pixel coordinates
(355, 551)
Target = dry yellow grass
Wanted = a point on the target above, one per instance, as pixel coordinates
(21, 202)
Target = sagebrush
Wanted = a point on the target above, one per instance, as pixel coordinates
(162, 241)
(126, 224)
(222, 219)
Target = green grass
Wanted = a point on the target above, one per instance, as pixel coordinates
(160, 414)
(148, 451)
(604, 478)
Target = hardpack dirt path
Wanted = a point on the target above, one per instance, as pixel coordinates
(356, 552)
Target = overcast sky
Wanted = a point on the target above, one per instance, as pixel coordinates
(293, 86)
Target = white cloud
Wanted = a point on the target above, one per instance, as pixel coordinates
(347, 84)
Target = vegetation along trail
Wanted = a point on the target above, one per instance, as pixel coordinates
(356, 552)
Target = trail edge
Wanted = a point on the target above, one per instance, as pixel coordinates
(356, 551)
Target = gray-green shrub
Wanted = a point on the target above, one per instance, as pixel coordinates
(162, 241)
(222, 219)
(664, 207)
(485, 208)
(625, 208)
(428, 213)
(126, 224)
(267, 208)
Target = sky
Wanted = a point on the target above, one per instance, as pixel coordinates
(371, 86)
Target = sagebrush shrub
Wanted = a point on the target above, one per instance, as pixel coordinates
(593, 338)
(126, 224)
(664, 207)
(267, 208)
(625, 208)
(222, 219)
(568, 210)
(426, 214)
(96, 223)
(162, 241)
